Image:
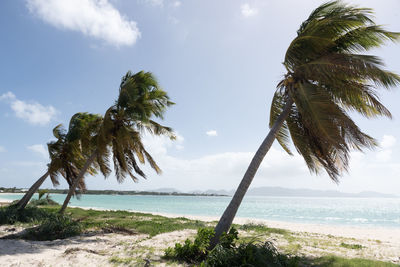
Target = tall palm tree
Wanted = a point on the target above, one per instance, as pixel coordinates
(140, 98)
(67, 154)
(326, 78)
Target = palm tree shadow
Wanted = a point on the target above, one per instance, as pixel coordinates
(13, 244)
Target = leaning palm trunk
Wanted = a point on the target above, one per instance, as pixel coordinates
(226, 220)
(25, 199)
(77, 181)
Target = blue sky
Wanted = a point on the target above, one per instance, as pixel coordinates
(218, 60)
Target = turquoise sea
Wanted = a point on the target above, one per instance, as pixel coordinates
(370, 212)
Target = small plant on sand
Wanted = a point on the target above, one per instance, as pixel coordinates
(249, 254)
(351, 246)
(43, 201)
(12, 215)
(192, 251)
(260, 228)
(57, 227)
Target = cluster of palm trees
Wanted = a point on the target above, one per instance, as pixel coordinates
(328, 76)
(92, 140)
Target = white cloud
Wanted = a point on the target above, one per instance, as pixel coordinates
(384, 155)
(160, 144)
(385, 152)
(40, 149)
(221, 170)
(248, 11)
(7, 96)
(2, 149)
(94, 18)
(388, 141)
(176, 3)
(212, 133)
(33, 112)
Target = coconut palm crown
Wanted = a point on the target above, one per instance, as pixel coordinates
(326, 78)
(67, 153)
(70, 151)
(140, 98)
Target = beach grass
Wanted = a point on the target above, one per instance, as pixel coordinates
(143, 223)
(335, 261)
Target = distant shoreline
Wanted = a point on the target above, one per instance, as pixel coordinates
(122, 193)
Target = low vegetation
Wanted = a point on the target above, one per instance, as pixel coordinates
(31, 214)
(43, 202)
(334, 261)
(108, 221)
(351, 246)
(135, 221)
(228, 252)
(192, 251)
(260, 228)
(55, 227)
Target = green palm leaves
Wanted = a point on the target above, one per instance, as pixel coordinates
(140, 99)
(327, 78)
(69, 152)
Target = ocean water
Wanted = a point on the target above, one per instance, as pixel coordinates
(371, 212)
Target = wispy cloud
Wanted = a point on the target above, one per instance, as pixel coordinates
(158, 3)
(176, 3)
(40, 149)
(94, 18)
(385, 152)
(2, 149)
(212, 133)
(7, 96)
(248, 11)
(33, 112)
(388, 141)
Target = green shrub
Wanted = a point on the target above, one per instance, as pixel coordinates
(12, 215)
(227, 252)
(43, 202)
(58, 227)
(195, 251)
(227, 240)
(262, 229)
(248, 254)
